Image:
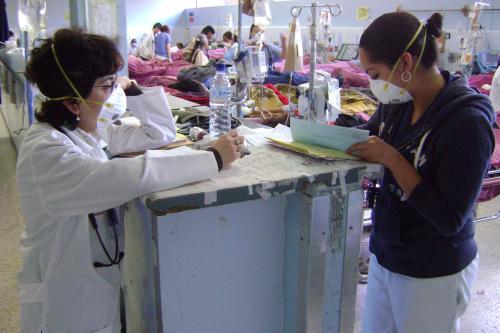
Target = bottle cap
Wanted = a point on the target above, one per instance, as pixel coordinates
(220, 67)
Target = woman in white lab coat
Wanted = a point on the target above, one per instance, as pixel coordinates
(70, 278)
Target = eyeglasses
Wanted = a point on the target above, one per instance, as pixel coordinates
(111, 86)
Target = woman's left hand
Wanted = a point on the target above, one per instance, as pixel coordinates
(374, 150)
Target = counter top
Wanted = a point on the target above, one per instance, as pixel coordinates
(14, 62)
(268, 171)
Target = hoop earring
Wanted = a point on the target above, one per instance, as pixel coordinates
(406, 76)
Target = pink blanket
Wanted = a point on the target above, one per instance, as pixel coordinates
(177, 55)
(354, 76)
(161, 81)
(216, 53)
(480, 80)
(165, 81)
(140, 69)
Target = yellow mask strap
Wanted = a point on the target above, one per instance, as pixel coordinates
(68, 80)
(420, 56)
(412, 40)
(80, 99)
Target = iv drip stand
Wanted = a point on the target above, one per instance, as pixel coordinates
(295, 11)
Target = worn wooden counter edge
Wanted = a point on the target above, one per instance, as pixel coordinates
(167, 205)
(211, 193)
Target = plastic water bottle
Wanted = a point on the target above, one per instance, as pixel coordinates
(220, 98)
(333, 105)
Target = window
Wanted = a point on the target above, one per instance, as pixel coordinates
(213, 3)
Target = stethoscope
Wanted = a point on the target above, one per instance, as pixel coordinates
(113, 220)
(118, 256)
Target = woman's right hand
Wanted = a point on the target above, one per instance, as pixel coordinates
(228, 147)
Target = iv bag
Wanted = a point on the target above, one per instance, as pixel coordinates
(32, 16)
(262, 12)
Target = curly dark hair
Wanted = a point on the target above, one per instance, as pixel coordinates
(84, 57)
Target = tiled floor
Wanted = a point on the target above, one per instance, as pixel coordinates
(483, 315)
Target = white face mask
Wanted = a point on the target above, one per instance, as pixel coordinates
(114, 107)
(259, 37)
(227, 45)
(388, 93)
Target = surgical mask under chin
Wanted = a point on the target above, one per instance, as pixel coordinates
(114, 108)
(388, 93)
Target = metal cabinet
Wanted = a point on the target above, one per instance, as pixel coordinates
(269, 245)
(14, 105)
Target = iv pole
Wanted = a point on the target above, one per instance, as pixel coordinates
(295, 11)
(241, 87)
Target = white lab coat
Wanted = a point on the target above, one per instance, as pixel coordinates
(146, 48)
(63, 178)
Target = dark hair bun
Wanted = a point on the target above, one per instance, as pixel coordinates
(435, 25)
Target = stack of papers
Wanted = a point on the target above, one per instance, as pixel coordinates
(317, 140)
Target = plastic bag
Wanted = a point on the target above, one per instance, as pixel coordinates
(294, 52)
(262, 12)
(32, 16)
(247, 8)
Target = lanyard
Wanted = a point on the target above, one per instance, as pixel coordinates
(387, 129)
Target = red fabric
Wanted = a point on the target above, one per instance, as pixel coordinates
(200, 98)
(163, 81)
(283, 99)
(354, 75)
(160, 73)
(480, 80)
(141, 70)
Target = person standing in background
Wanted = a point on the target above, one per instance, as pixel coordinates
(273, 53)
(163, 42)
(230, 45)
(146, 49)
